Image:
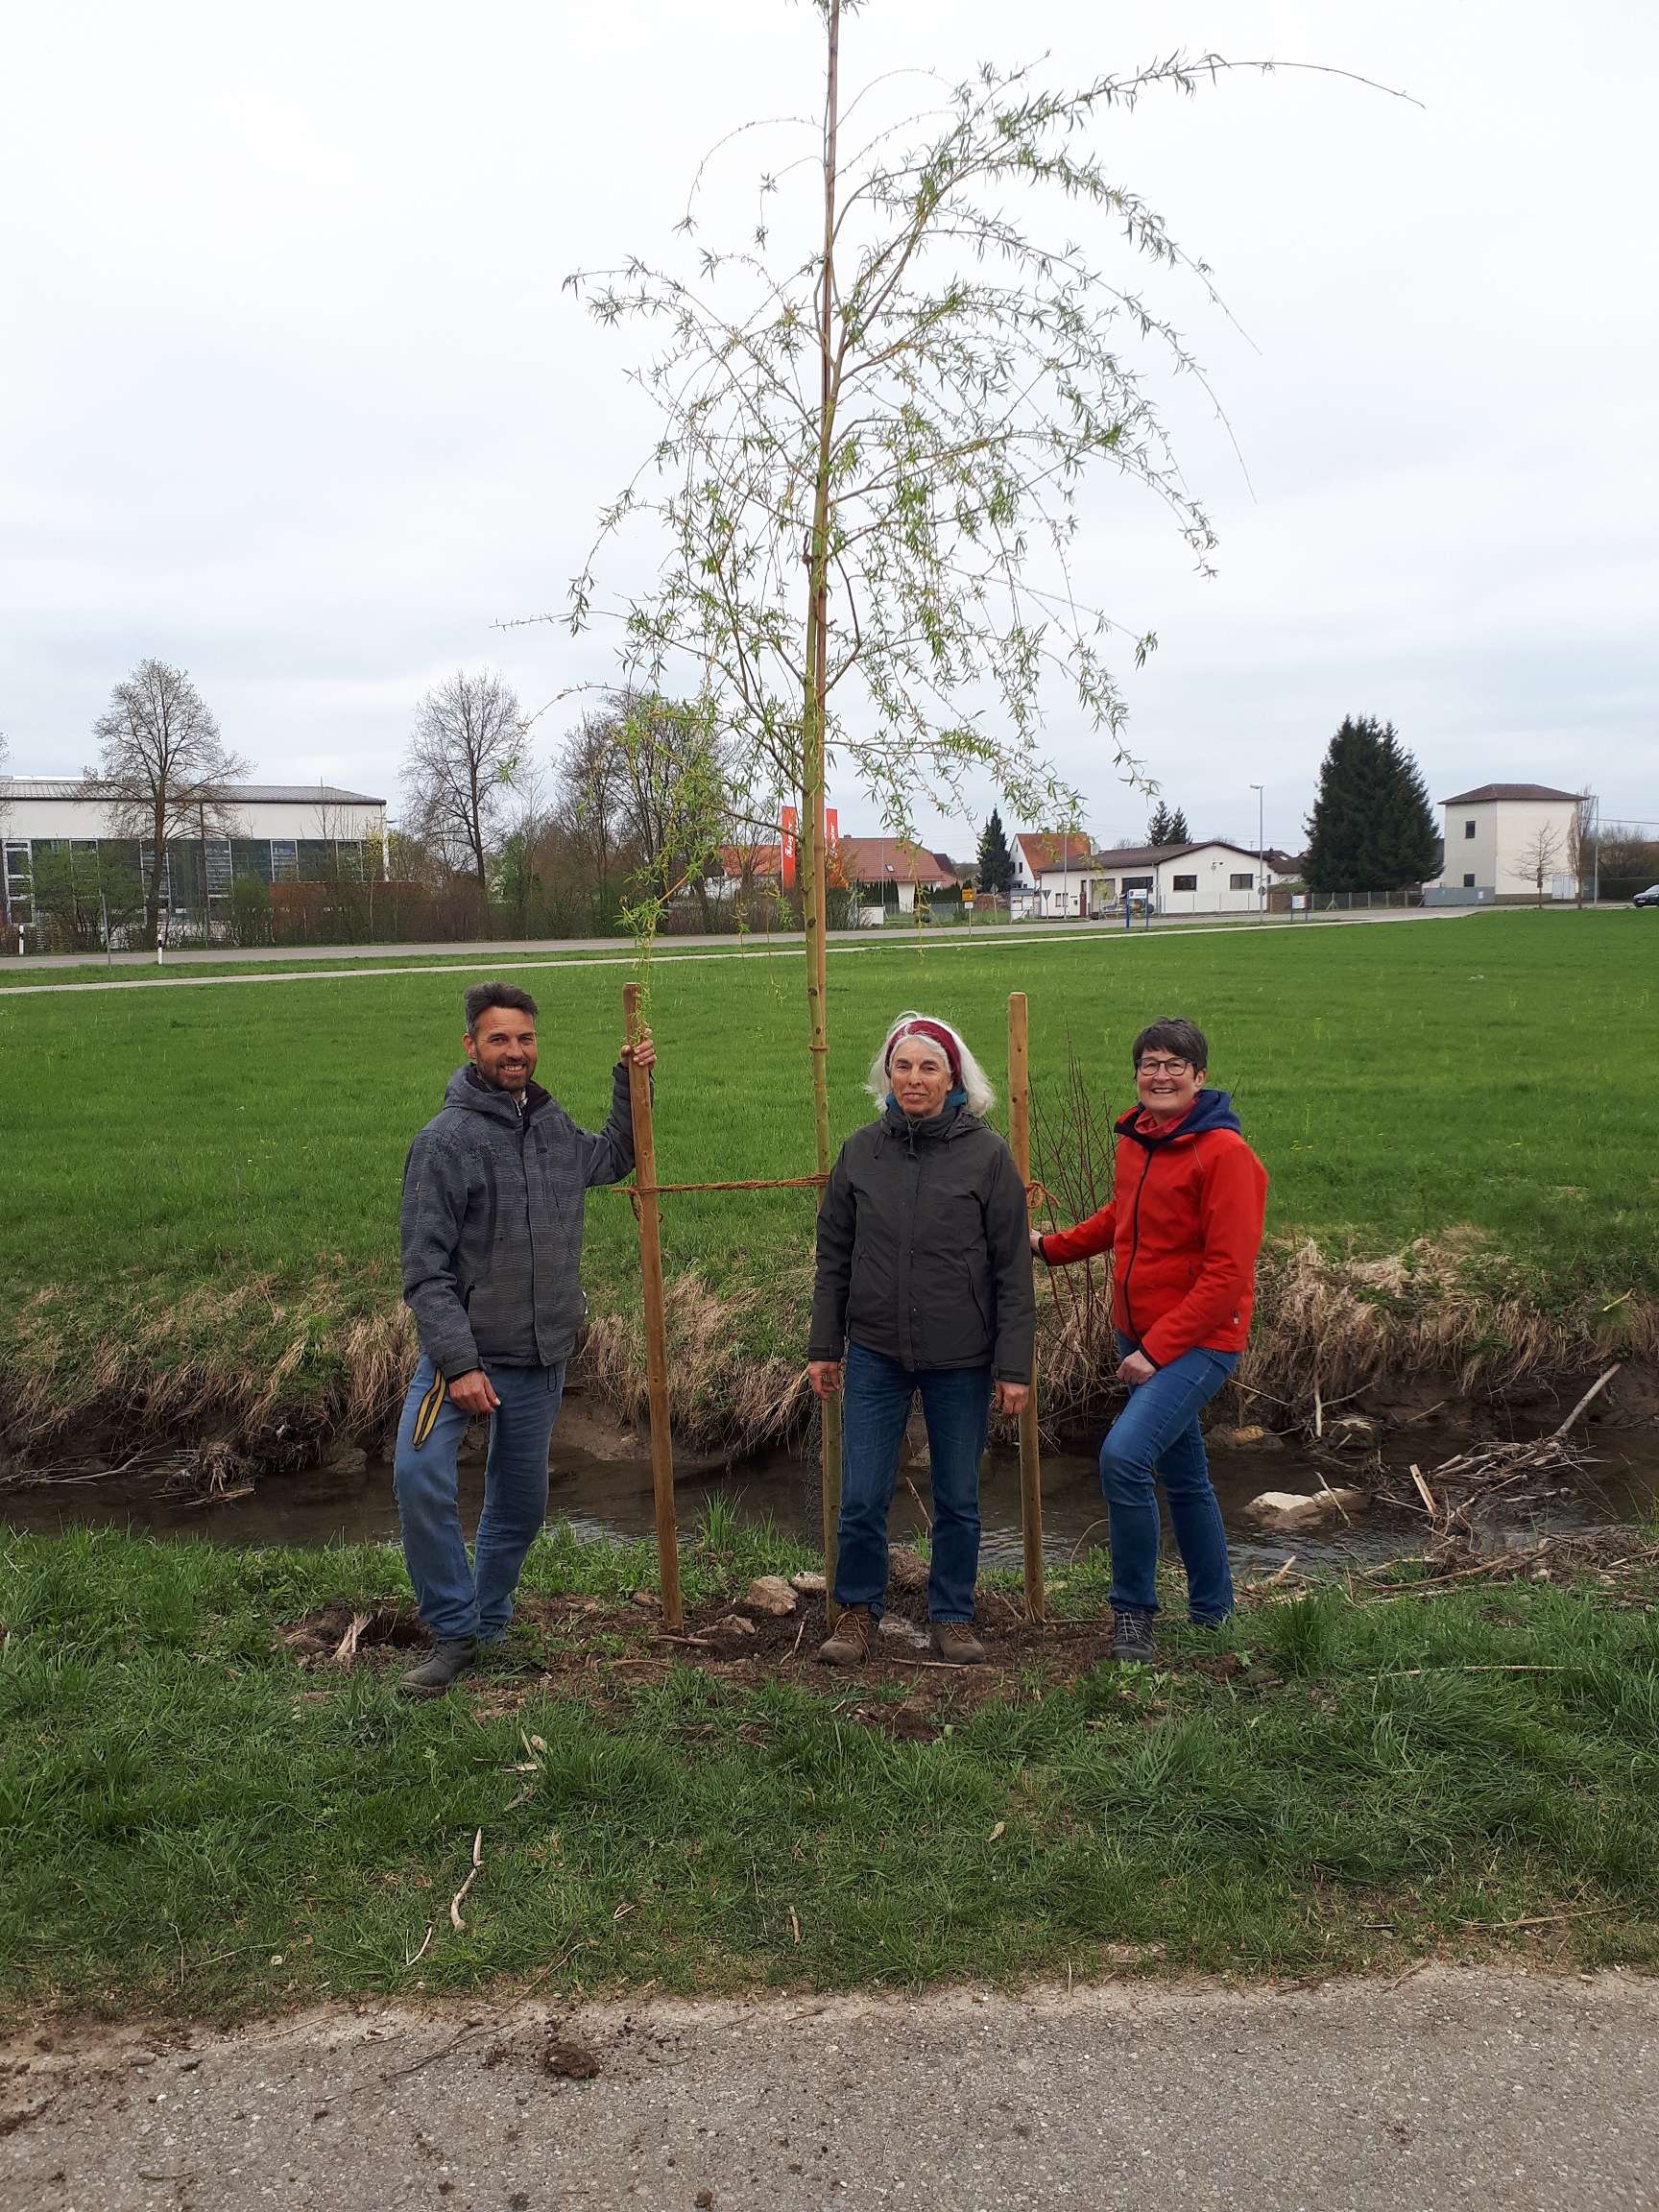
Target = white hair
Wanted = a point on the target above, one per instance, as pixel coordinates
(975, 1081)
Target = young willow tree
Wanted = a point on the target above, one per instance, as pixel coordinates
(878, 417)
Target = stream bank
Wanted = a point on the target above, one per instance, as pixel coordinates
(601, 1484)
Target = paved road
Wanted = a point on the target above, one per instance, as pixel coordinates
(1501, 2091)
(137, 971)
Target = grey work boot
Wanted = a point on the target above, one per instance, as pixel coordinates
(1132, 1638)
(441, 1670)
(854, 1641)
(956, 1644)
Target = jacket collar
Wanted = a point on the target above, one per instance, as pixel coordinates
(1210, 1110)
(937, 1129)
(468, 1089)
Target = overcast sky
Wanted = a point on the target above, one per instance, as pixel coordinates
(290, 393)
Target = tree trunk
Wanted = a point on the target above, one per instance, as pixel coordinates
(812, 872)
(811, 854)
(158, 825)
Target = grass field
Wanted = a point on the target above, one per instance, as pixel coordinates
(230, 1155)
(193, 1824)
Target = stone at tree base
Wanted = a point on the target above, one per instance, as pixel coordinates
(771, 1594)
(809, 1582)
(906, 1570)
(1288, 1511)
(893, 1629)
(734, 1624)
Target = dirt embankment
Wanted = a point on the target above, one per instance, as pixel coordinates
(269, 1377)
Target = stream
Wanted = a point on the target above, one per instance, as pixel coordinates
(601, 1484)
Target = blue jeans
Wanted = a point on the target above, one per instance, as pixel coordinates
(1157, 1433)
(455, 1598)
(875, 1405)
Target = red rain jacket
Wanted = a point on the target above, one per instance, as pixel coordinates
(1184, 1226)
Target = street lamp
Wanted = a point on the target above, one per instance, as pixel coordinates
(1261, 891)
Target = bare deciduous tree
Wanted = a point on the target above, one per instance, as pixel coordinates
(465, 755)
(592, 797)
(1536, 861)
(164, 770)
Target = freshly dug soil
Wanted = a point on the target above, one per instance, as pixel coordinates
(593, 1647)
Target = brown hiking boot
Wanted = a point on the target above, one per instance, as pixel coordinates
(854, 1641)
(955, 1641)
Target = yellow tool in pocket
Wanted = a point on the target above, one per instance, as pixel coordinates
(431, 1406)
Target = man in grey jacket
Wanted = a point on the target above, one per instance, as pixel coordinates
(493, 1194)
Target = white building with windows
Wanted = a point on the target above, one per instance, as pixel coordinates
(1051, 876)
(1507, 842)
(281, 834)
(1212, 877)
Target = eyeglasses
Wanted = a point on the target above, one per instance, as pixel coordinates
(1161, 1067)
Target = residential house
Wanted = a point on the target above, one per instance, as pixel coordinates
(1504, 842)
(889, 873)
(1052, 874)
(1210, 877)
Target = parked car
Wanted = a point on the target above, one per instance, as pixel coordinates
(1647, 897)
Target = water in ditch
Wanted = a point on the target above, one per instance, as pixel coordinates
(601, 1484)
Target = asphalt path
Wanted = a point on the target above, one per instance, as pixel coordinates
(607, 952)
(1501, 2090)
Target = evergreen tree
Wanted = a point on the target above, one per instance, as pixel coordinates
(1158, 828)
(996, 860)
(1178, 833)
(1372, 828)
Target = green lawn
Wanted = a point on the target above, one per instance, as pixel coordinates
(1399, 1080)
(193, 1823)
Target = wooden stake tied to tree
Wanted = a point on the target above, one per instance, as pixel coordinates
(656, 1317)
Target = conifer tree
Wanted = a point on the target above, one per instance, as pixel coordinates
(995, 859)
(1372, 828)
(1158, 827)
(1178, 833)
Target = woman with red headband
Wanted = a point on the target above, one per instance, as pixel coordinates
(924, 1284)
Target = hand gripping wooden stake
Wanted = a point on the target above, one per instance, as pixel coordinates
(656, 1319)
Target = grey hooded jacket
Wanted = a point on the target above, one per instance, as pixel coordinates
(492, 1222)
(925, 1248)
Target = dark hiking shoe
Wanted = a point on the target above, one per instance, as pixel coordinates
(854, 1641)
(956, 1644)
(1132, 1638)
(435, 1674)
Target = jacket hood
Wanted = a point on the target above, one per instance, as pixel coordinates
(1210, 1110)
(468, 1089)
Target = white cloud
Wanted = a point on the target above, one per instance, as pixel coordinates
(291, 393)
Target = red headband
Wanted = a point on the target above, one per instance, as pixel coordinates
(936, 1033)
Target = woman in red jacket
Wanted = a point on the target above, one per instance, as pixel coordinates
(1184, 1226)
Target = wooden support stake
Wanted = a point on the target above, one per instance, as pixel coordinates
(830, 1409)
(656, 1319)
(1030, 1470)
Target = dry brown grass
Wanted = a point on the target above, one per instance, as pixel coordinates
(277, 1371)
(225, 1358)
(719, 1392)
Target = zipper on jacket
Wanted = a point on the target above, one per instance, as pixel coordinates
(529, 1227)
(1135, 1243)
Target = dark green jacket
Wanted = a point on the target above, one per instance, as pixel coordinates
(924, 1248)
